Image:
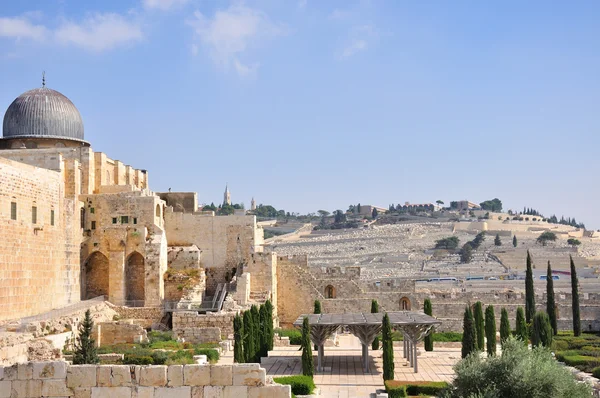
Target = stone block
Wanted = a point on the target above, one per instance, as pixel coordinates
(249, 375)
(196, 375)
(111, 392)
(113, 376)
(142, 392)
(175, 376)
(198, 392)
(235, 391)
(10, 373)
(55, 388)
(103, 376)
(172, 392)
(82, 392)
(5, 387)
(274, 391)
(153, 376)
(213, 391)
(26, 388)
(25, 371)
(221, 375)
(81, 376)
(50, 370)
(1, 371)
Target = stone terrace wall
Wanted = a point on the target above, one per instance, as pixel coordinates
(111, 333)
(183, 321)
(143, 316)
(57, 379)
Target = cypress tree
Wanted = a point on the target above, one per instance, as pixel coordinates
(388, 349)
(238, 337)
(541, 330)
(263, 332)
(550, 302)
(529, 291)
(428, 341)
(255, 334)
(468, 339)
(307, 357)
(479, 326)
(514, 240)
(375, 310)
(85, 347)
(317, 309)
(575, 300)
(522, 326)
(269, 325)
(248, 343)
(490, 330)
(504, 326)
(497, 240)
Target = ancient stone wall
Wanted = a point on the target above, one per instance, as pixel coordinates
(39, 248)
(181, 201)
(111, 333)
(143, 316)
(184, 257)
(58, 379)
(200, 336)
(263, 281)
(185, 320)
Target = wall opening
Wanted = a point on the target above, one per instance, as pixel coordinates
(135, 278)
(95, 276)
(157, 210)
(405, 304)
(330, 292)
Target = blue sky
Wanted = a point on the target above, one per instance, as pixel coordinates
(311, 105)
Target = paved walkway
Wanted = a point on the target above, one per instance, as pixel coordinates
(343, 375)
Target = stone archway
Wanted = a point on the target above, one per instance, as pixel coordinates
(135, 277)
(94, 276)
(405, 304)
(330, 292)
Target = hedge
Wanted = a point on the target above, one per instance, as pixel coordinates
(294, 334)
(581, 362)
(396, 388)
(301, 385)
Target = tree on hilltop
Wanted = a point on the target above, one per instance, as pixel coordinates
(494, 205)
(323, 213)
(450, 243)
(466, 253)
(514, 240)
(497, 240)
(545, 237)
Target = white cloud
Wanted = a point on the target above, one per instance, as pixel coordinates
(100, 32)
(354, 47)
(163, 4)
(230, 34)
(22, 28)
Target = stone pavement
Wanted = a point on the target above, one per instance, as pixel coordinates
(344, 377)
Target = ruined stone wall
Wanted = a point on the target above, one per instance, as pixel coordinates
(184, 257)
(184, 320)
(180, 201)
(111, 333)
(58, 379)
(143, 316)
(39, 261)
(263, 270)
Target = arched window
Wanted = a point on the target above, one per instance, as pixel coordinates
(330, 292)
(405, 304)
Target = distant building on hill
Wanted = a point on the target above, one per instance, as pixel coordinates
(419, 207)
(465, 205)
(367, 210)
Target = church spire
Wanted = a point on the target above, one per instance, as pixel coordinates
(227, 196)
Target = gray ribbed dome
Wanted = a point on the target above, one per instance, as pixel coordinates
(42, 113)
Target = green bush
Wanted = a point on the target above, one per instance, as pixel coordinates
(447, 337)
(560, 345)
(395, 390)
(427, 388)
(160, 357)
(166, 345)
(211, 354)
(157, 335)
(301, 385)
(596, 372)
(131, 359)
(294, 334)
(581, 362)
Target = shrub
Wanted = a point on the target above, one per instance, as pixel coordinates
(560, 345)
(447, 337)
(301, 385)
(596, 372)
(427, 388)
(581, 362)
(166, 345)
(131, 359)
(157, 335)
(211, 354)
(159, 357)
(294, 334)
(396, 391)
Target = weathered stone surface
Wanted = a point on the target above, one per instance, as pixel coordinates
(221, 375)
(155, 376)
(55, 388)
(49, 370)
(113, 376)
(175, 376)
(142, 392)
(274, 391)
(25, 371)
(213, 392)
(235, 391)
(111, 392)
(10, 373)
(81, 376)
(82, 392)
(198, 392)
(5, 387)
(172, 392)
(249, 375)
(196, 375)
(26, 388)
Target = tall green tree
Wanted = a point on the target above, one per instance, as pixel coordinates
(263, 332)
(375, 310)
(317, 307)
(308, 368)
(541, 330)
(85, 347)
(388, 349)
(550, 302)
(521, 326)
(255, 333)
(238, 338)
(504, 326)
(269, 325)
(490, 330)
(497, 240)
(469, 344)
(466, 253)
(575, 299)
(479, 326)
(529, 291)
(248, 343)
(428, 341)
(515, 241)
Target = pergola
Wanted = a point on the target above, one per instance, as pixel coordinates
(366, 326)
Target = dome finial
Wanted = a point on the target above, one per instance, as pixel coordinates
(44, 79)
